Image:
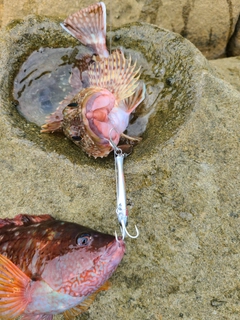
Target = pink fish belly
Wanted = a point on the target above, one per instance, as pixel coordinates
(44, 300)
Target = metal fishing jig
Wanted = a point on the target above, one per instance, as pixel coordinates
(121, 211)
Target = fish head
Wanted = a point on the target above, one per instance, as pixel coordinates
(96, 117)
(86, 260)
(89, 125)
(50, 266)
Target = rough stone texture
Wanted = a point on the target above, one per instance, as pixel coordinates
(233, 46)
(206, 23)
(183, 184)
(229, 70)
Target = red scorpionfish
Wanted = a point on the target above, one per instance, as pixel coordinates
(95, 115)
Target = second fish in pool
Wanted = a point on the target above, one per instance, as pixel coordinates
(109, 90)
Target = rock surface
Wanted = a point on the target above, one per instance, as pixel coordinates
(182, 181)
(207, 24)
(229, 70)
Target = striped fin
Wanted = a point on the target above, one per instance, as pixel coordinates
(25, 219)
(134, 100)
(116, 74)
(53, 122)
(89, 26)
(13, 287)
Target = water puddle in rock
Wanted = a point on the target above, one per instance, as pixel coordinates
(43, 82)
(167, 69)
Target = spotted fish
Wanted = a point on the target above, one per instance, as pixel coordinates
(109, 90)
(49, 266)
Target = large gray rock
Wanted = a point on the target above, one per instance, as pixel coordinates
(229, 70)
(182, 179)
(208, 24)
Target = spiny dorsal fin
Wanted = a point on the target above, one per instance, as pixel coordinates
(82, 307)
(25, 219)
(13, 285)
(116, 74)
(89, 26)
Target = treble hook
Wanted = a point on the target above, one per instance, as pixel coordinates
(124, 230)
(123, 227)
(121, 211)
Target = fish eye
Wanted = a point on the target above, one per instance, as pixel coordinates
(73, 104)
(83, 239)
(76, 138)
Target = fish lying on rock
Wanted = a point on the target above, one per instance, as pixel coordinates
(108, 91)
(49, 267)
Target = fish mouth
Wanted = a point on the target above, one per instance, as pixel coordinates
(115, 251)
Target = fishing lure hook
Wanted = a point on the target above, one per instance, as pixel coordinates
(124, 230)
(123, 227)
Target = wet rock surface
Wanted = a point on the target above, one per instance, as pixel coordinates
(182, 179)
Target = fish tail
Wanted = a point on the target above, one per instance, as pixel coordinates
(116, 74)
(89, 26)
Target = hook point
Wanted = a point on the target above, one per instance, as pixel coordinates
(124, 230)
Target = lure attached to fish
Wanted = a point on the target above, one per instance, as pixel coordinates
(49, 267)
(97, 113)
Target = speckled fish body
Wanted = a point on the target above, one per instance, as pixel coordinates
(109, 90)
(49, 267)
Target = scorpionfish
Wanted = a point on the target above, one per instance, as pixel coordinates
(96, 114)
(49, 266)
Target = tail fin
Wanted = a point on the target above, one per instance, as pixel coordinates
(89, 26)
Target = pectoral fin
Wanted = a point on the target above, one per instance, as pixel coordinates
(55, 119)
(13, 285)
(134, 100)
